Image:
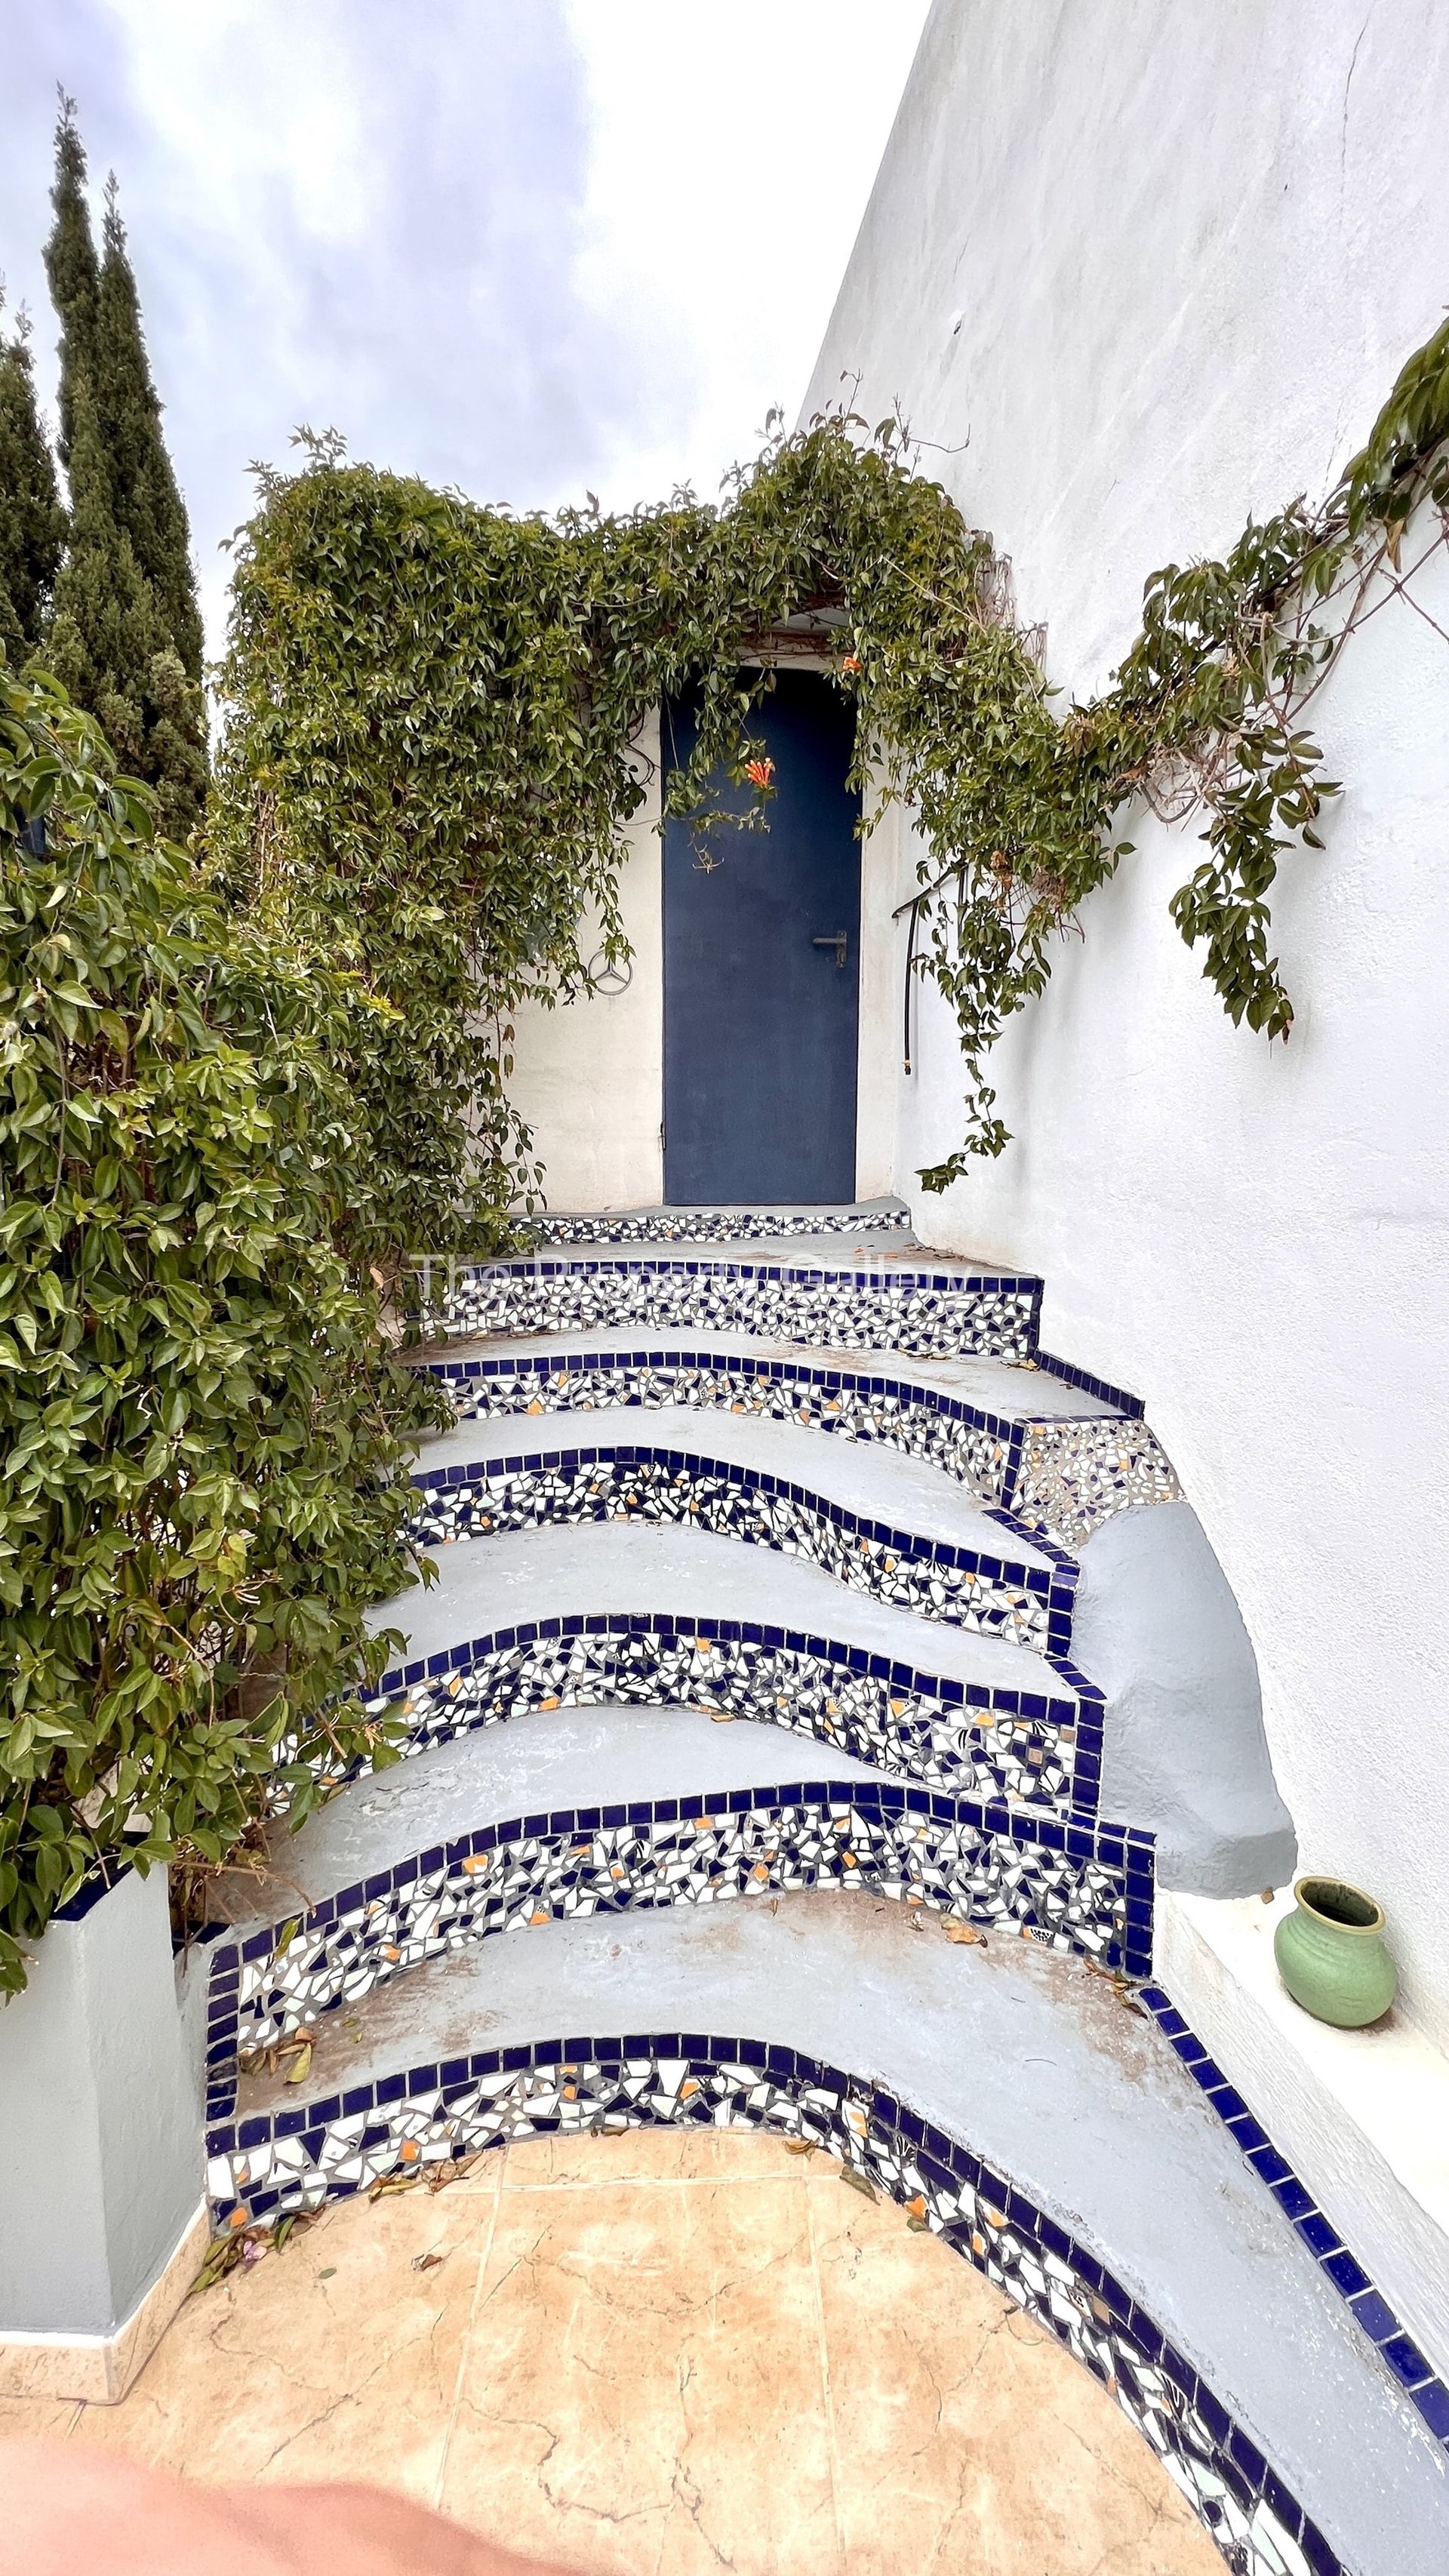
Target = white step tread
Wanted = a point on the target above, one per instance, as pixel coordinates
(541, 1760)
(592, 1567)
(1014, 1391)
(877, 1253)
(1035, 2066)
(870, 1479)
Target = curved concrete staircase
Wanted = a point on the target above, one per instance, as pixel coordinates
(776, 1542)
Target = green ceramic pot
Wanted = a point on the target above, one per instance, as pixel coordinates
(1331, 1954)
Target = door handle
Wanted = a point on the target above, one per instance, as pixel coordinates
(836, 939)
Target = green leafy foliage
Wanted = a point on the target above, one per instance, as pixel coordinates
(429, 756)
(432, 711)
(202, 1451)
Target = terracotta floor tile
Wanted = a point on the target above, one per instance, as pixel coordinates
(333, 2359)
(643, 2385)
(967, 2436)
(37, 2419)
(648, 2155)
(660, 2351)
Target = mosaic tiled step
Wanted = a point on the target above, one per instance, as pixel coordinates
(990, 1577)
(1008, 2071)
(1072, 1887)
(981, 1716)
(1061, 1458)
(606, 1754)
(1033, 1750)
(884, 1308)
(610, 2084)
(615, 2083)
(723, 1224)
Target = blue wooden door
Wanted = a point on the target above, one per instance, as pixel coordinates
(761, 969)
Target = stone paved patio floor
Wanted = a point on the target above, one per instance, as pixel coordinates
(659, 2351)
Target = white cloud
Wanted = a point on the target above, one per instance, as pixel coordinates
(526, 248)
(732, 151)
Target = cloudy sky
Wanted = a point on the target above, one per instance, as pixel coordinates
(531, 247)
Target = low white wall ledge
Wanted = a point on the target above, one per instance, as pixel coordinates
(100, 2147)
(1361, 2115)
(100, 2368)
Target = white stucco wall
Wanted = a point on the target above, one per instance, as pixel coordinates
(589, 1077)
(1160, 265)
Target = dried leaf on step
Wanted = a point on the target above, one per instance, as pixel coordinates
(966, 1932)
(301, 2066)
(857, 2181)
(799, 2146)
(917, 2227)
(330, 2274)
(386, 2183)
(723, 1716)
(427, 2262)
(222, 2258)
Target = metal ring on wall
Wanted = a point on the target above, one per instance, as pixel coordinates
(609, 979)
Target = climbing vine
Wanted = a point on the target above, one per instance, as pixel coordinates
(434, 709)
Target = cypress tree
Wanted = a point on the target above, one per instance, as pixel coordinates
(32, 522)
(144, 493)
(126, 639)
(106, 631)
(72, 267)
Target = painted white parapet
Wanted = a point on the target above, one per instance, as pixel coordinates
(1135, 272)
(1362, 2115)
(101, 2228)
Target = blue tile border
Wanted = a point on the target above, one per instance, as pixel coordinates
(1084, 1713)
(1132, 1405)
(1367, 2306)
(1122, 1852)
(872, 2130)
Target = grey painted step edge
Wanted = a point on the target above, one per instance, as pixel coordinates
(1079, 2115)
(623, 1568)
(542, 1761)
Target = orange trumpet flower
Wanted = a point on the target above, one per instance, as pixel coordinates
(759, 772)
